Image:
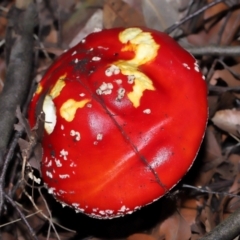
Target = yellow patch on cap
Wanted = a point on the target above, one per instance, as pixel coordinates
(146, 49)
(141, 82)
(39, 89)
(142, 43)
(69, 108)
(59, 85)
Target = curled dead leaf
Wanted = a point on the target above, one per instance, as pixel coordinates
(228, 120)
(227, 75)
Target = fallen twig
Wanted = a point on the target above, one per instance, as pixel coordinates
(17, 82)
(187, 18)
(226, 230)
(232, 51)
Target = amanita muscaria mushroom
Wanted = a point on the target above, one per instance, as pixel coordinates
(125, 114)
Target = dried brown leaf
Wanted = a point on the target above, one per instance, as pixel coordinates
(35, 160)
(160, 15)
(211, 12)
(173, 228)
(117, 13)
(211, 159)
(228, 120)
(213, 147)
(234, 202)
(212, 105)
(229, 169)
(227, 76)
(75, 23)
(219, 27)
(188, 211)
(207, 216)
(226, 171)
(226, 101)
(190, 8)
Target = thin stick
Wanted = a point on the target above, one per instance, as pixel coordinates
(22, 216)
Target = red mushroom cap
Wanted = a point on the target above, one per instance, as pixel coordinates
(125, 114)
